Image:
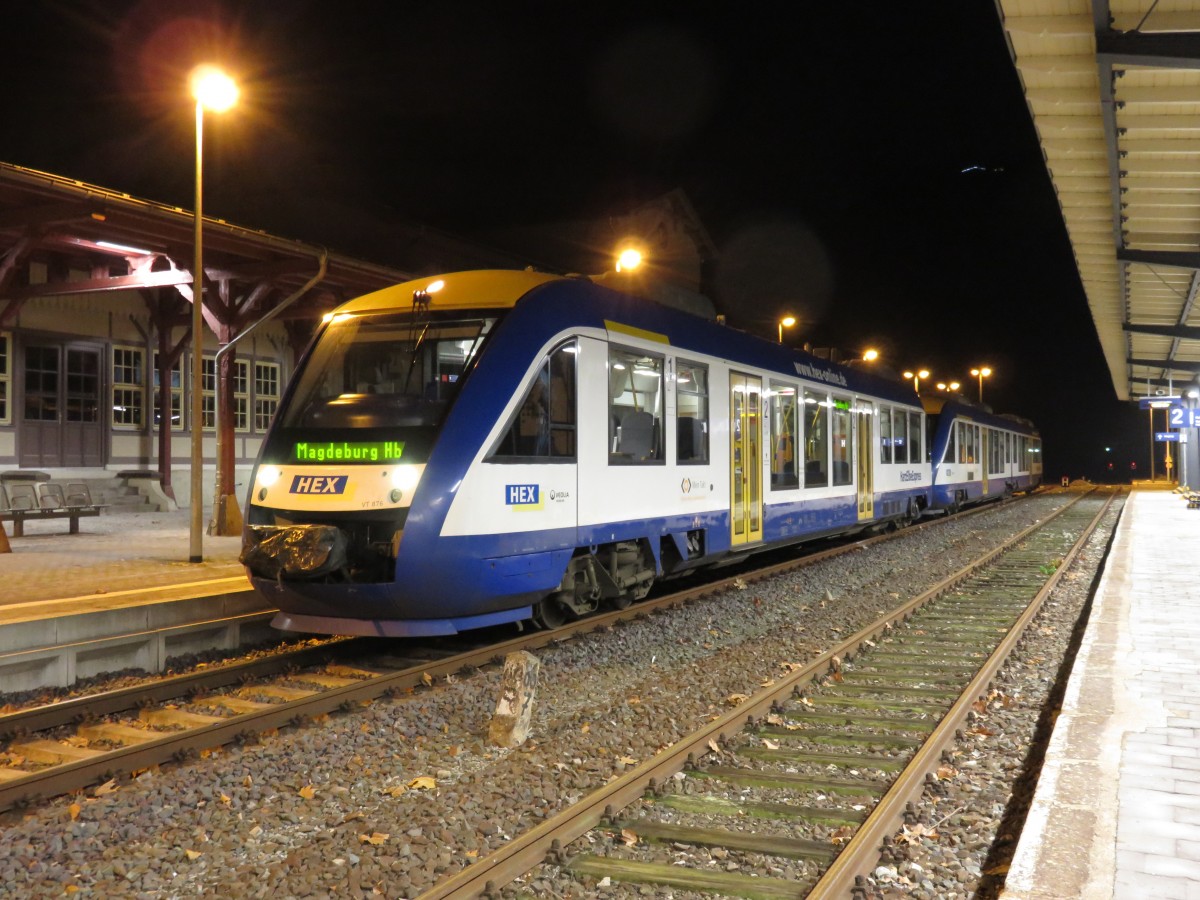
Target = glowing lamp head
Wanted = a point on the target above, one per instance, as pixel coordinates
(213, 89)
(629, 259)
(870, 355)
(787, 321)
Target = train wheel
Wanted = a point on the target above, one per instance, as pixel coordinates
(548, 613)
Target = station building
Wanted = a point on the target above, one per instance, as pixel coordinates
(96, 294)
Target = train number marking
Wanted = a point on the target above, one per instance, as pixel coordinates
(319, 484)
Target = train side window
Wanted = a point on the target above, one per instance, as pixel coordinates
(635, 404)
(951, 453)
(885, 434)
(899, 437)
(691, 411)
(816, 439)
(544, 427)
(842, 470)
(914, 438)
(784, 437)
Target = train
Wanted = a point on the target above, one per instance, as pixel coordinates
(489, 447)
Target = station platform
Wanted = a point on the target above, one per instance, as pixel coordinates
(120, 593)
(1117, 809)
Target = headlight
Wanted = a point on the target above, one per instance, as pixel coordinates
(268, 475)
(405, 478)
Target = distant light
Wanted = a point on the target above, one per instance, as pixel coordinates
(954, 385)
(787, 321)
(213, 89)
(924, 373)
(629, 259)
(908, 374)
(871, 355)
(972, 169)
(1194, 394)
(124, 248)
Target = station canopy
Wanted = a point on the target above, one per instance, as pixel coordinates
(92, 239)
(1114, 91)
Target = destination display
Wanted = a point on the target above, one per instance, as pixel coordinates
(348, 451)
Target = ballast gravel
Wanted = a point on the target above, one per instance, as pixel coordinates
(387, 799)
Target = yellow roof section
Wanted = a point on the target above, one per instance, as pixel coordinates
(482, 289)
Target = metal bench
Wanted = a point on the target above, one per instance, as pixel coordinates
(21, 503)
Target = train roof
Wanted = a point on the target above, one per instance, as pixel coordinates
(479, 289)
(631, 314)
(967, 409)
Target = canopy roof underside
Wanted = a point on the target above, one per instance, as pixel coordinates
(1114, 92)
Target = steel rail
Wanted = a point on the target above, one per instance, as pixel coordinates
(861, 853)
(70, 776)
(545, 841)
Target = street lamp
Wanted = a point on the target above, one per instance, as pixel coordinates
(785, 322)
(916, 379)
(981, 374)
(629, 259)
(870, 355)
(212, 89)
(952, 386)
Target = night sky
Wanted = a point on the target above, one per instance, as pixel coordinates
(870, 167)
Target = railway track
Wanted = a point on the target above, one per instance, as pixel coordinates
(815, 771)
(51, 750)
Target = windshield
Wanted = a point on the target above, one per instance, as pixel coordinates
(384, 370)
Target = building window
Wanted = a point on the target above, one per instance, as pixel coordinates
(175, 386)
(5, 376)
(544, 428)
(129, 391)
(691, 411)
(635, 407)
(266, 394)
(240, 399)
(784, 437)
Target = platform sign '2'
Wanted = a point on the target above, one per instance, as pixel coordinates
(1178, 417)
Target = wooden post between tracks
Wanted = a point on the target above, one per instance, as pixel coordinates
(5, 546)
(510, 723)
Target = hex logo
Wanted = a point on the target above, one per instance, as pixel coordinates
(319, 484)
(523, 496)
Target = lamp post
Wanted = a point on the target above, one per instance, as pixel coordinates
(916, 379)
(785, 322)
(981, 373)
(212, 89)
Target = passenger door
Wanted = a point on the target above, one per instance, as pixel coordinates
(865, 469)
(745, 458)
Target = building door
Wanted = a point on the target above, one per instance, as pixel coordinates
(866, 459)
(745, 458)
(61, 423)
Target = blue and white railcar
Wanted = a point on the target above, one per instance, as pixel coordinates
(488, 447)
(978, 455)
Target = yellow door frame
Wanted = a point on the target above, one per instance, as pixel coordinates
(745, 458)
(865, 415)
